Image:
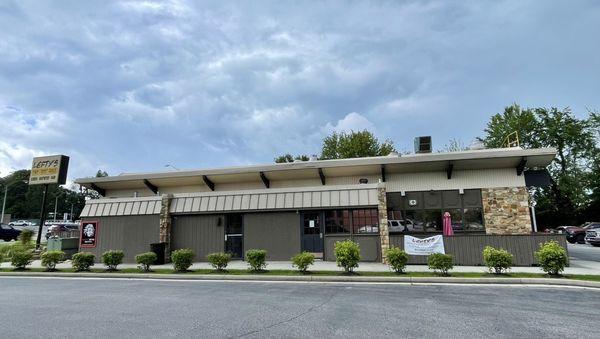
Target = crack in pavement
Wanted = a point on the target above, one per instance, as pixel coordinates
(310, 309)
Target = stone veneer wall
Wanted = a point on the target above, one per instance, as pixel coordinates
(384, 233)
(165, 225)
(506, 210)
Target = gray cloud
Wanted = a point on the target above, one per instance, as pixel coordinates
(130, 86)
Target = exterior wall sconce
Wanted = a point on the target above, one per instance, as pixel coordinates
(461, 191)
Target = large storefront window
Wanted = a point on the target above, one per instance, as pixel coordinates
(359, 221)
(422, 212)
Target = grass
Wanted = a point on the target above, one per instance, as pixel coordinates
(318, 273)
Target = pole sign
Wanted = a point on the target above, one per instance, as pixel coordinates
(426, 246)
(49, 170)
(89, 233)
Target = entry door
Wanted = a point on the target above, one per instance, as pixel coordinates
(234, 235)
(312, 232)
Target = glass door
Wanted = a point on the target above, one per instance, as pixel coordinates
(312, 232)
(234, 235)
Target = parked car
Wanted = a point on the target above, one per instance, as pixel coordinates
(8, 233)
(593, 236)
(60, 228)
(576, 234)
(19, 223)
(400, 226)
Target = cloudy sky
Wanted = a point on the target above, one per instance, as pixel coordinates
(132, 86)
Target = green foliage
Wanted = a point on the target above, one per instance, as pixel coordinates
(256, 259)
(112, 259)
(145, 260)
(347, 254)
(498, 260)
(354, 145)
(51, 258)
(303, 260)
(182, 259)
(20, 259)
(440, 263)
(219, 261)
(575, 186)
(286, 158)
(552, 257)
(82, 261)
(396, 258)
(25, 236)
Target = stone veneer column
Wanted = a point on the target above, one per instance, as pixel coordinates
(165, 224)
(506, 210)
(384, 232)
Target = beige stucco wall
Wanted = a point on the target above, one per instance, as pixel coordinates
(395, 182)
(506, 210)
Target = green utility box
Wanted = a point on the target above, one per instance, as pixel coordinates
(68, 245)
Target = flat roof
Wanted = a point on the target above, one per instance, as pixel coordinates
(424, 162)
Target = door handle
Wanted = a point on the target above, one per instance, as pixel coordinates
(225, 237)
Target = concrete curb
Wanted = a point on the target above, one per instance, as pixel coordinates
(316, 278)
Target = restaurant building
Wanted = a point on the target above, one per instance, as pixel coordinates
(309, 205)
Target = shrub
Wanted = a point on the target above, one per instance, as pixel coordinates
(51, 258)
(552, 257)
(498, 260)
(396, 258)
(219, 260)
(182, 259)
(112, 259)
(145, 260)
(20, 259)
(256, 259)
(440, 263)
(303, 260)
(347, 254)
(82, 261)
(25, 236)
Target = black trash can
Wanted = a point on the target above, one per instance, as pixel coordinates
(159, 249)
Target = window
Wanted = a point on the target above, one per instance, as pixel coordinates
(422, 212)
(337, 221)
(365, 221)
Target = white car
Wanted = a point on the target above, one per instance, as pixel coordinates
(401, 226)
(20, 223)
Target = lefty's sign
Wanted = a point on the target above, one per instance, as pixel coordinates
(426, 246)
(49, 170)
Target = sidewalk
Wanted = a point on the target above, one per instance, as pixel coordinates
(577, 267)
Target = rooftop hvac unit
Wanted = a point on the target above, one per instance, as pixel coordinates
(423, 144)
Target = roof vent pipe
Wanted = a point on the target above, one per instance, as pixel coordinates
(313, 158)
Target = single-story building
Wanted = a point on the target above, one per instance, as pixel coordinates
(309, 205)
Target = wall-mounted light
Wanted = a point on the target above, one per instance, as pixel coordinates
(135, 194)
(461, 191)
(403, 193)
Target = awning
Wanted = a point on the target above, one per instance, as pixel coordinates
(121, 206)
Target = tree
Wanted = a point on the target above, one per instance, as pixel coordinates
(354, 145)
(289, 158)
(573, 174)
(454, 145)
(101, 174)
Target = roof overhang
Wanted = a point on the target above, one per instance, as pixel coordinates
(320, 169)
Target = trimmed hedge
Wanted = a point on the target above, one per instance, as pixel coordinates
(303, 260)
(219, 260)
(182, 259)
(256, 259)
(82, 261)
(396, 259)
(497, 259)
(347, 255)
(440, 263)
(51, 258)
(145, 260)
(552, 258)
(21, 259)
(112, 259)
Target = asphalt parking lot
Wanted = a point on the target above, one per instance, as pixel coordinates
(584, 252)
(151, 308)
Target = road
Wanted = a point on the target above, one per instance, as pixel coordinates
(69, 307)
(585, 252)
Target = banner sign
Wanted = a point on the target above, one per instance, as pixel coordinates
(427, 246)
(49, 170)
(89, 233)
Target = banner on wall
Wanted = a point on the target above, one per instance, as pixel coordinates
(89, 233)
(426, 246)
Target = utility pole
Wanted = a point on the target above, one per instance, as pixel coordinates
(4, 203)
(42, 218)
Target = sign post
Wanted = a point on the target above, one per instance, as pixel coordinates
(45, 171)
